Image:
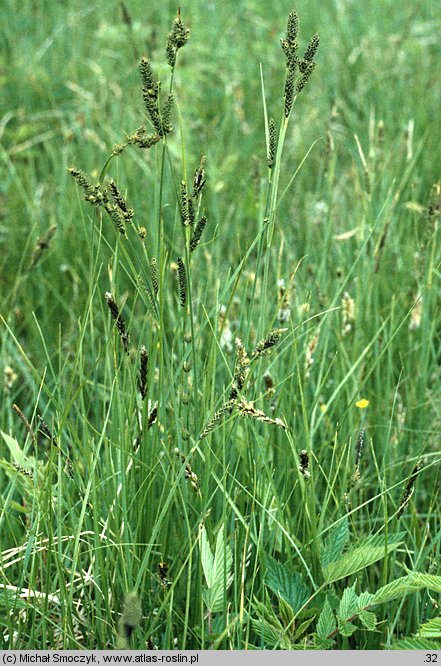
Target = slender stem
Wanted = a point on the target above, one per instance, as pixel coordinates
(161, 261)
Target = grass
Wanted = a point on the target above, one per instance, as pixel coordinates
(311, 501)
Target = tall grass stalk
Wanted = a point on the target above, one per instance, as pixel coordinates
(219, 399)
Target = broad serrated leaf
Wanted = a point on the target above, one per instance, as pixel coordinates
(335, 542)
(368, 619)
(326, 623)
(427, 580)
(286, 584)
(218, 576)
(364, 600)
(362, 557)
(394, 590)
(431, 629)
(346, 628)
(266, 632)
(407, 584)
(348, 603)
(416, 644)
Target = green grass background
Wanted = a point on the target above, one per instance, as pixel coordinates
(69, 89)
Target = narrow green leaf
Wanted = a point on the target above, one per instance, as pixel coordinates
(301, 629)
(266, 612)
(286, 613)
(361, 557)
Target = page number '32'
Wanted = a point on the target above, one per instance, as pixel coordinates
(432, 658)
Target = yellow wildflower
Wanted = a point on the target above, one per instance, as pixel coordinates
(362, 404)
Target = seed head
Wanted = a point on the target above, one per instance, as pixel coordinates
(359, 447)
(143, 370)
(183, 200)
(191, 476)
(226, 408)
(117, 217)
(292, 27)
(146, 72)
(289, 43)
(273, 337)
(182, 277)
(348, 310)
(197, 233)
(141, 139)
(289, 89)
(304, 464)
(271, 143)
(199, 178)
(247, 409)
(166, 126)
(409, 489)
(241, 370)
(120, 323)
(312, 48)
(176, 39)
(153, 414)
(154, 274)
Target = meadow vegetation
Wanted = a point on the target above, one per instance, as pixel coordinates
(220, 326)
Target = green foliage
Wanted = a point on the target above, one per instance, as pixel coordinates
(368, 620)
(407, 584)
(350, 609)
(335, 542)
(371, 551)
(324, 223)
(347, 609)
(286, 584)
(431, 629)
(268, 628)
(273, 630)
(326, 626)
(17, 454)
(217, 570)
